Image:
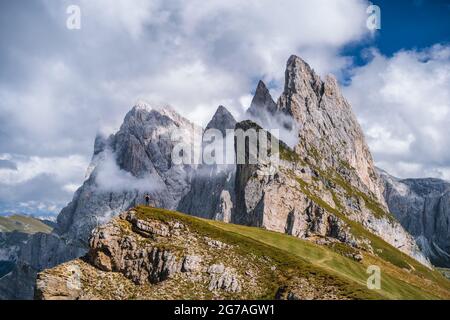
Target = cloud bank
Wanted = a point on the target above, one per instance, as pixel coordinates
(403, 104)
(109, 177)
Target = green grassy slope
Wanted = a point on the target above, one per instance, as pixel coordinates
(295, 256)
(393, 260)
(23, 224)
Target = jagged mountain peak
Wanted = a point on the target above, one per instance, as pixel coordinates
(261, 88)
(297, 63)
(295, 59)
(142, 105)
(221, 110)
(222, 120)
(263, 108)
(140, 153)
(300, 78)
(329, 132)
(262, 101)
(212, 188)
(143, 111)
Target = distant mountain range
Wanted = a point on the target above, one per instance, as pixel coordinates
(423, 208)
(25, 224)
(16, 230)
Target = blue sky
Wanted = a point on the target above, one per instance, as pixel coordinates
(406, 25)
(60, 87)
(409, 24)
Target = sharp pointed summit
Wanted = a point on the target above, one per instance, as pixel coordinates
(263, 108)
(222, 120)
(262, 101)
(327, 124)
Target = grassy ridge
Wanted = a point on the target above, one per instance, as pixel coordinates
(386, 254)
(299, 257)
(23, 224)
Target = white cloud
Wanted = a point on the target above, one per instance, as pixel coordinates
(71, 187)
(39, 185)
(197, 54)
(61, 168)
(111, 178)
(403, 103)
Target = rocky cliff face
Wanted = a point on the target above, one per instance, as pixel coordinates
(15, 232)
(212, 189)
(329, 133)
(328, 182)
(140, 154)
(423, 208)
(303, 200)
(10, 244)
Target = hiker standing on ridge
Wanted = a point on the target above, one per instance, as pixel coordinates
(147, 199)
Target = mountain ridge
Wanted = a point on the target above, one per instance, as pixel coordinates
(150, 253)
(422, 206)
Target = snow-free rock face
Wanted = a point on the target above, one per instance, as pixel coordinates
(328, 181)
(423, 208)
(329, 133)
(15, 233)
(212, 190)
(308, 202)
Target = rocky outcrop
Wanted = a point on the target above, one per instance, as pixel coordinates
(147, 251)
(163, 255)
(423, 208)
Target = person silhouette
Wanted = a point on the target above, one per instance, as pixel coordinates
(147, 199)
